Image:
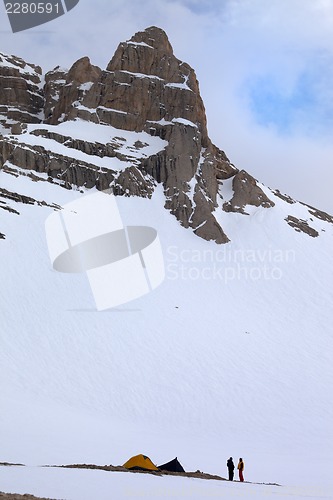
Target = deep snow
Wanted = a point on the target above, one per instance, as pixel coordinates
(231, 355)
(89, 484)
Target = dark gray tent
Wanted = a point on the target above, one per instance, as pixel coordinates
(173, 466)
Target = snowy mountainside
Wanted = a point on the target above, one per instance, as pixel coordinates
(146, 91)
(245, 369)
(231, 355)
(83, 154)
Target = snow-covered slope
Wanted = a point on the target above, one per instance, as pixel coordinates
(231, 355)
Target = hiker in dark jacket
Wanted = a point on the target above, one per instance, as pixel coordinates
(231, 467)
(240, 468)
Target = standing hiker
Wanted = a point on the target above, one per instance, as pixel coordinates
(240, 468)
(231, 467)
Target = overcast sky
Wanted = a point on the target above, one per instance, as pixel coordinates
(265, 69)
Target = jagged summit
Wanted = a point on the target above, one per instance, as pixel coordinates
(83, 71)
(155, 37)
(150, 52)
(138, 123)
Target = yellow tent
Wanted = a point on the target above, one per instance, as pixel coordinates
(140, 462)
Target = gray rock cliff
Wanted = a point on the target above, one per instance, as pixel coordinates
(21, 94)
(145, 89)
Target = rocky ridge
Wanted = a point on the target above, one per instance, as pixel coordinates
(22, 98)
(150, 104)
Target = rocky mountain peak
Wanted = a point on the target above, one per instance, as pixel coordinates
(83, 71)
(149, 52)
(155, 37)
(139, 123)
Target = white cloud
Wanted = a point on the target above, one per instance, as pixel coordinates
(231, 44)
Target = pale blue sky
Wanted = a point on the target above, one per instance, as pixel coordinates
(307, 107)
(265, 70)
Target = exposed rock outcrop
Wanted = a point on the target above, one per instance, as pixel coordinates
(284, 197)
(79, 80)
(301, 225)
(246, 192)
(131, 182)
(21, 92)
(55, 80)
(67, 169)
(27, 200)
(319, 214)
(144, 89)
(15, 496)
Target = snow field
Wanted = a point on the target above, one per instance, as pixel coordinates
(203, 368)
